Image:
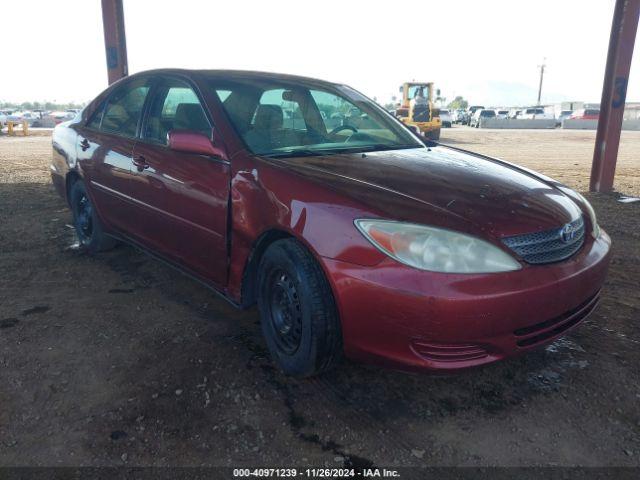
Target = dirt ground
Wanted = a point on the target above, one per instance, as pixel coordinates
(119, 360)
(562, 154)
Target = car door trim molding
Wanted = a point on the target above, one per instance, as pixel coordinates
(151, 207)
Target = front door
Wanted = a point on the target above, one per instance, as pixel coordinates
(183, 197)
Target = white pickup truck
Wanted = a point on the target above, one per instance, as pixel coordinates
(534, 112)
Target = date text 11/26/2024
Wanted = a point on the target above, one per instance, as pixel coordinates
(316, 473)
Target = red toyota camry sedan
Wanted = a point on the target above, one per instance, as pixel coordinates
(354, 236)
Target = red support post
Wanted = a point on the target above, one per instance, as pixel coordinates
(614, 92)
(115, 40)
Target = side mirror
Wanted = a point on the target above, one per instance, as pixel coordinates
(438, 92)
(188, 141)
(401, 89)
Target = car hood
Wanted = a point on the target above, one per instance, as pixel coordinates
(445, 187)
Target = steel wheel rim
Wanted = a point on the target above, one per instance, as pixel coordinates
(285, 312)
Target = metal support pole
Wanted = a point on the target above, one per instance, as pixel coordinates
(115, 40)
(614, 92)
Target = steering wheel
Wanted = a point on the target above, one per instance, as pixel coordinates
(339, 128)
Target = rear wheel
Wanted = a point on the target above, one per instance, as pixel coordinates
(91, 236)
(298, 314)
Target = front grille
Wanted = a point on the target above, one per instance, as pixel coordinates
(547, 246)
(548, 329)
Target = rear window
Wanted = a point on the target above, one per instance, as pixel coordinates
(487, 113)
(592, 112)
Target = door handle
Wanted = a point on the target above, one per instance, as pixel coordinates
(140, 162)
(84, 144)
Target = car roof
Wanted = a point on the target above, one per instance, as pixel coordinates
(233, 75)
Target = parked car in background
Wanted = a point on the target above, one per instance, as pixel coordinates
(15, 116)
(28, 116)
(586, 114)
(445, 118)
(533, 113)
(502, 113)
(482, 113)
(59, 117)
(471, 111)
(563, 115)
(357, 241)
(459, 116)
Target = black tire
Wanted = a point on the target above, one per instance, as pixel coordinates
(434, 135)
(298, 314)
(91, 236)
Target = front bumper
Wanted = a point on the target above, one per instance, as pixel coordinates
(405, 318)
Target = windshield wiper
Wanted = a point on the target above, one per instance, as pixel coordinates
(303, 152)
(385, 146)
(309, 152)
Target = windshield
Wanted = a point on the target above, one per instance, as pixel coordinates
(414, 89)
(283, 118)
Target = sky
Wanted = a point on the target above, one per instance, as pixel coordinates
(487, 51)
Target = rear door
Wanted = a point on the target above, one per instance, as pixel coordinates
(105, 148)
(182, 197)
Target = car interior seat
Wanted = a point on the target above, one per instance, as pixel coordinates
(266, 126)
(190, 116)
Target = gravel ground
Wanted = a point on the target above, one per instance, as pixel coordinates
(119, 360)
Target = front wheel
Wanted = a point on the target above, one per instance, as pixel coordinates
(298, 314)
(433, 134)
(91, 236)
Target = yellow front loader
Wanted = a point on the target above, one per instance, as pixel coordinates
(423, 115)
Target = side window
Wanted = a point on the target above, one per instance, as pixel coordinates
(223, 94)
(96, 118)
(175, 106)
(123, 109)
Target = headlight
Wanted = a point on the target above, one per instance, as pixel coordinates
(435, 249)
(592, 215)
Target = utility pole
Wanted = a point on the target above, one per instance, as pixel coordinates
(541, 67)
